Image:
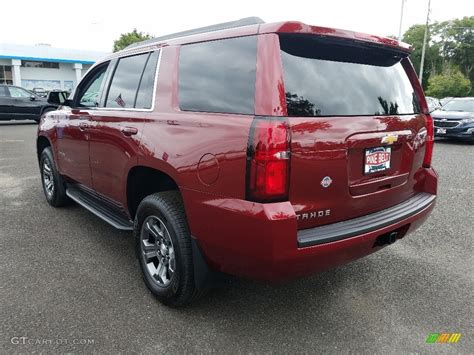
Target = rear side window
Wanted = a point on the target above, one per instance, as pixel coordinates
(324, 78)
(132, 82)
(145, 91)
(218, 76)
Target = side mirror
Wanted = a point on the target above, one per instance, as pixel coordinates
(67, 102)
(32, 98)
(57, 98)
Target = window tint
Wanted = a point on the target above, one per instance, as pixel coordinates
(3, 91)
(145, 91)
(19, 92)
(218, 76)
(89, 91)
(124, 85)
(332, 79)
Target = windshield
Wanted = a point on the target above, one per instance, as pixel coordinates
(20, 92)
(459, 105)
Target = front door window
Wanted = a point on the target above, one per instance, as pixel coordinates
(89, 92)
(19, 92)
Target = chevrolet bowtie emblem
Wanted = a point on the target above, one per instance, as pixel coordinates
(389, 139)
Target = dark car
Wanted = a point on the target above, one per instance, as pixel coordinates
(241, 149)
(455, 119)
(17, 103)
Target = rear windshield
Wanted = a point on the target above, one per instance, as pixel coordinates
(333, 78)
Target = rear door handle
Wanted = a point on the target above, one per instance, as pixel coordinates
(128, 131)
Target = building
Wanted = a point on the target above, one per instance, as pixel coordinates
(43, 66)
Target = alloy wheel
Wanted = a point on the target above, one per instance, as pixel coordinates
(48, 178)
(157, 251)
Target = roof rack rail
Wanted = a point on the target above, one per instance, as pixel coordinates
(247, 21)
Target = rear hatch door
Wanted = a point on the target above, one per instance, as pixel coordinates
(355, 128)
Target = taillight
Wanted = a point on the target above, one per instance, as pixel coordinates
(424, 109)
(268, 160)
(429, 142)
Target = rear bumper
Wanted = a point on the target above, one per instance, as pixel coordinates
(261, 241)
(365, 224)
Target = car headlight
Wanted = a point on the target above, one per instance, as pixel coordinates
(468, 120)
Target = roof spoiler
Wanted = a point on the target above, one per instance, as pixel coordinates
(247, 21)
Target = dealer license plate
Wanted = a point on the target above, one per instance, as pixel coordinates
(377, 159)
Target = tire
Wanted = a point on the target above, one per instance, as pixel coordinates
(54, 187)
(163, 248)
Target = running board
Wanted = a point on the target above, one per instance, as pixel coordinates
(99, 208)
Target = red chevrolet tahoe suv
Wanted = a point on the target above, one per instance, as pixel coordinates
(265, 151)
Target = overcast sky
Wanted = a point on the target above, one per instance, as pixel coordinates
(94, 24)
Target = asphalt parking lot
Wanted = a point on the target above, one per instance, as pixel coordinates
(70, 283)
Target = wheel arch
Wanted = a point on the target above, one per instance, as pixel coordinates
(42, 142)
(145, 180)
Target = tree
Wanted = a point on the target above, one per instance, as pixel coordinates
(451, 82)
(299, 106)
(456, 42)
(127, 39)
(450, 44)
(433, 61)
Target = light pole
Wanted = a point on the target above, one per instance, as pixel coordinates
(424, 42)
(401, 22)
